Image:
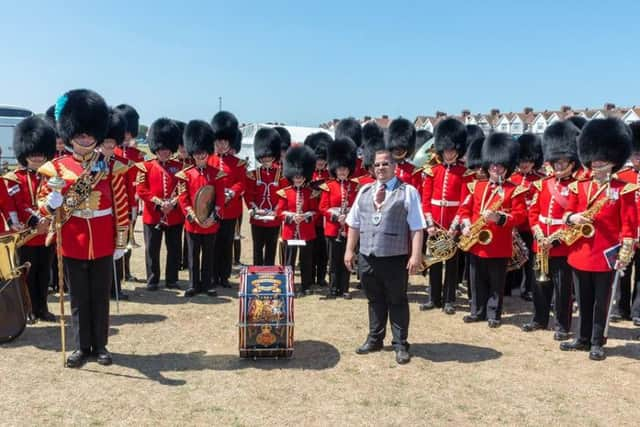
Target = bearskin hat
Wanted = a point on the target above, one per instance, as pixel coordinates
(372, 141)
(607, 140)
(401, 136)
(473, 156)
(422, 136)
(285, 138)
(318, 142)
(530, 149)
(181, 127)
(117, 127)
(33, 135)
(635, 132)
(341, 153)
(198, 136)
(236, 144)
(560, 141)
(299, 161)
(81, 111)
(450, 134)
(50, 115)
(267, 143)
(349, 128)
(578, 121)
(225, 126)
(132, 117)
(501, 149)
(164, 134)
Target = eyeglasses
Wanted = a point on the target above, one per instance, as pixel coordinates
(381, 165)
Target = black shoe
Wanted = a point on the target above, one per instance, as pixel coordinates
(369, 347)
(532, 326)
(77, 358)
(527, 296)
(190, 292)
(470, 318)
(402, 356)
(31, 319)
(575, 345)
(152, 287)
(308, 292)
(212, 292)
(636, 321)
(172, 286)
(561, 336)
(615, 318)
(449, 309)
(47, 317)
(346, 295)
(494, 323)
(103, 357)
(131, 278)
(597, 353)
(427, 306)
(323, 283)
(225, 283)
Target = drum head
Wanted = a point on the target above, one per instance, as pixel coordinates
(204, 202)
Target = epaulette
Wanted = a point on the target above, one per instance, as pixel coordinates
(182, 174)
(356, 180)
(119, 167)
(282, 192)
(221, 174)
(574, 187)
(616, 176)
(141, 166)
(11, 176)
(48, 170)
(251, 174)
(520, 189)
(315, 193)
(241, 162)
(629, 188)
(471, 186)
(468, 172)
(538, 184)
(323, 187)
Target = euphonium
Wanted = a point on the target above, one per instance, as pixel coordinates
(440, 248)
(477, 232)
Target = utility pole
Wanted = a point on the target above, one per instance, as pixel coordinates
(219, 103)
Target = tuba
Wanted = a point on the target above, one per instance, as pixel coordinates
(440, 248)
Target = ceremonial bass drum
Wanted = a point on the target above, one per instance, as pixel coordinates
(265, 328)
(15, 304)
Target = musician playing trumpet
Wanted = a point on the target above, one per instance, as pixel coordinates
(608, 205)
(498, 206)
(549, 200)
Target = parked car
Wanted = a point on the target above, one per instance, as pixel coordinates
(9, 118)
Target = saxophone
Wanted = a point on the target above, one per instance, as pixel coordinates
(477, 232)
(574, 232)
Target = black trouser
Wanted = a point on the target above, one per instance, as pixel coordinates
(237, 241)
(53, 269)
(306, 262)
(172, 241)
(446, 293)
(593, 290)
(120, 274)
(39, 275)
(622, 306)
(201, 258)
(319, 256)
(522, 278)
(487, 286)
(385, 281)
(558, 289)
(127, 263)
(89, 283)
(223, 249)
(339, 275)
(265, 243)
(184, 259)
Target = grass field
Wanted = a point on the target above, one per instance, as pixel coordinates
(176, 362)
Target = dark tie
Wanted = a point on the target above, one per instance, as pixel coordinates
(381, 194)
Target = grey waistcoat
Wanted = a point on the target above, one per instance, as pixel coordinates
(391, 236)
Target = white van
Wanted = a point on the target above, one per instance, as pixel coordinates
(9, 118)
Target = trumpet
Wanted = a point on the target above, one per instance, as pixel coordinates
(541, 260)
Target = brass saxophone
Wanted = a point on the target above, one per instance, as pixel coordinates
(574, 232)
(477, 232)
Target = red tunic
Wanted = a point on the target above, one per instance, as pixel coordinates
(483, 196)
(550, 199)
(442, 192)
(91, 231)
(337, 196)
(409, 174)
(261, 193)
(235, 171)
(157, 182)
(359, 169)
(526, 181)
(303, 200)
(26, 199)
(7, 203)
(191, 180)
(133, 156)
(615, 221)
(631, 176)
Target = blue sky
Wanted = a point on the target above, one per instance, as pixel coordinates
(308, 62)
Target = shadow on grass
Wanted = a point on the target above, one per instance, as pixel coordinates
(309, 354)
(630, 351)
(165, 296)
(454, 352)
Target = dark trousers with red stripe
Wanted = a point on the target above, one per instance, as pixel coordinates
(320, 259)
(339, 275)
(558, 289)
(201, 256)
(306, 262)
(39, 275)
(624, 297)
(444, 293)
(487, 286)
(223, 251)
(592, 291)
(265, 243)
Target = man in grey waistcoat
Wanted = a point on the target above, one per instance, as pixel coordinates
(387, 219)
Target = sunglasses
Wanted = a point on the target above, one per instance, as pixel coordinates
(381, 165)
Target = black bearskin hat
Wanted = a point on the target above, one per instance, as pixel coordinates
(181, 127)
(401, 136)
(299, 161)
(450, 134)
(50, 115)
(578, 121)
(349, 128)
(225, 126)
(530, 149)
(422, 136)
(607, 140)
(236, 144)
(164, 134)
(82, 111)
(372, 141)
(33, 135)
(635, 132)
(285, 138)
(500, 149)
(132, 117)
(318, 142)
(117, 127)
(267, 143)
(198, 136)
(341, 153)
(473, 157)
(560, 140)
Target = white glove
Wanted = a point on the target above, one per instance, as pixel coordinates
(54, 200)
(119, 253)
(134, 214)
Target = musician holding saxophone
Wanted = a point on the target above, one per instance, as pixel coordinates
(494, 208)
(601, 217)
(549, 200)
